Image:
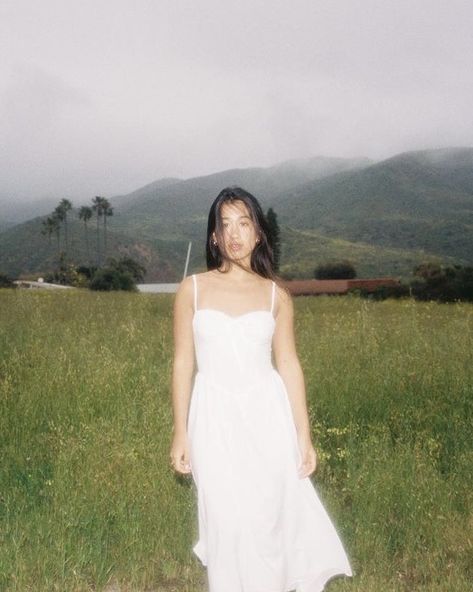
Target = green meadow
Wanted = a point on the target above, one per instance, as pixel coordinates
(88, 500)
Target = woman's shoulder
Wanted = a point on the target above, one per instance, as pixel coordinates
(187, 284)
(202, 277)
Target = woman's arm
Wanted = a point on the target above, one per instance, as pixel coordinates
(289, 367)
(182, 372)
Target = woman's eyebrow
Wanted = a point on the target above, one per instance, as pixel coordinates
(242, 216)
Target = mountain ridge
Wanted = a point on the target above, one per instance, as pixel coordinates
(417, 205)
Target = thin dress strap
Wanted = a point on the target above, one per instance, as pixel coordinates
(195, 291)
(272, 296)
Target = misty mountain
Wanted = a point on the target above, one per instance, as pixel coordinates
(4, 224)
(386, 216)
(126, 201)
(421, 200)
(13, 211)
(180, 208)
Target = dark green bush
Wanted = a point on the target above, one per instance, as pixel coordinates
(128, 265)
(338, 270)
(6, 282)
(107, 279)
(430, 282)
(87, 271)
(383, 292)
(443, 284)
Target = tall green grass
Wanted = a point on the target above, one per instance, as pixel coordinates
(87, 497)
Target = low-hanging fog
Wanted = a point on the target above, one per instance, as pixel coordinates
(103, 97)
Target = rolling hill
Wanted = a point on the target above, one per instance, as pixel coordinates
(385, 216)
(416, 200)
(175, 208)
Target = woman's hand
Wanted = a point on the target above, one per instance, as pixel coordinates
(308, 458)
(180, 457)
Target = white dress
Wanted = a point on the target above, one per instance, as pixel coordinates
(261, 527)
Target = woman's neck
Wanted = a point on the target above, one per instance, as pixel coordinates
(237, 273)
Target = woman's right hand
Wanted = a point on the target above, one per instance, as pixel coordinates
(308, 457)
(180, 457)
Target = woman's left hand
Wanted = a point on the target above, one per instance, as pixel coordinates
(308, 458)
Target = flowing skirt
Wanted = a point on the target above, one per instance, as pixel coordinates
(261, 527)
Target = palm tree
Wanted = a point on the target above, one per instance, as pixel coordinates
(85, 213)
(60, 212)
(58, 216)
(98, 208)
(65, 206)
(107, 210)
(53, 224)
(49, 227)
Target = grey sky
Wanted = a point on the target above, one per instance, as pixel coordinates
(103, 96)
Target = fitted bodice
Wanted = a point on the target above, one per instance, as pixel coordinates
(233, 351)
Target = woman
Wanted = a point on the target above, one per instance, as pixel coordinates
(241, 427)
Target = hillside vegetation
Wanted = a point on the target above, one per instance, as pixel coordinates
(417, 200)
(88, 499)
(406, 210)
(303, 247)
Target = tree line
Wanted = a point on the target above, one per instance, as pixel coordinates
(58, 221)
(117, 274)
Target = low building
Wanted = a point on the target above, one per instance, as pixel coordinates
(314, 287)
(40, 284)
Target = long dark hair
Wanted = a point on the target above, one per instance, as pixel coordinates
(262, 257)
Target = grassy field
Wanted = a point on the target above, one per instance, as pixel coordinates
(88, 500)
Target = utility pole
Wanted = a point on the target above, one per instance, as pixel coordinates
(187, 258)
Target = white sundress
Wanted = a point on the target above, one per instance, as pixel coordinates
(261, 527)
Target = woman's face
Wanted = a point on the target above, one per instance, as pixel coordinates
(239, 231)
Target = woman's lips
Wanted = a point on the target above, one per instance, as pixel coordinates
(235, 246)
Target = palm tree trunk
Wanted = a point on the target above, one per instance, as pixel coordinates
(98, 241)
(105, 233)
(87, 242)
(65, 233)
(58, 244)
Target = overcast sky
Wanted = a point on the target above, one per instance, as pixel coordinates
(99, 97)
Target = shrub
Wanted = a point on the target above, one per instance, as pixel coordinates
(383, 292)
(443, 284)
(6, 282)
(107, 279)
(67, 275)
(128, 265)
(341, 270)
(431, 282)
(87, 271)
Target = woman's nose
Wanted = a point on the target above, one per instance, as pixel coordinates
(234, 232)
